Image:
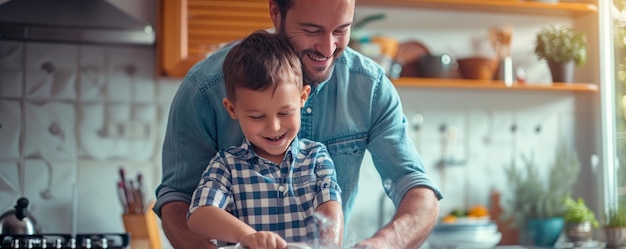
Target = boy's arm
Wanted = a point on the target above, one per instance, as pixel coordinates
(331, 232)
(328, 199)
(215, 223)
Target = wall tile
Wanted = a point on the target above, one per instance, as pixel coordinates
(94, 142)
(10, 189)
(11, 69)
(118, 112)
(10, 129)
(131, 74)
(91, 217)
(92, 73)
(50, 131)
(50, 187)
(51, 71)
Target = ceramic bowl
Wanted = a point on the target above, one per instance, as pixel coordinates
(471, 233)
(464, 240)
(478, 68)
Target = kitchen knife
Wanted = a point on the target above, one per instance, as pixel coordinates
(127, 193)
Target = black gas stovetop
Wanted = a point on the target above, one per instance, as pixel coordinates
(66, 241)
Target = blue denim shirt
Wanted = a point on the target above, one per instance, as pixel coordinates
(355, 110)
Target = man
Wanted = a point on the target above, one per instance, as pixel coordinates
(352, 107)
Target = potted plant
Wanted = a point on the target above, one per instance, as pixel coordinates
(563, 48)
(579, 220)
(615, 228)
(538, 207)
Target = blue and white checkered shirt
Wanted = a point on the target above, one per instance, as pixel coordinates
(270, 197)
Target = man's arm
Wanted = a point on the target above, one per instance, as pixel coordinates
(174, 222)
(415, 218)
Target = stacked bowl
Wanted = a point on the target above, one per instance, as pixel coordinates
(466, 234)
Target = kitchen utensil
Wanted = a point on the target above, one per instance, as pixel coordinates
(128, 196)
(500, 39)
(18, 220)
(408, 54)
(437, 66)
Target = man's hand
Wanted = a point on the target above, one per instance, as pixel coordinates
(415, 218)
(174, 222)
(263, 240)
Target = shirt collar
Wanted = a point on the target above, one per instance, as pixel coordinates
(246, 150)
(316, 88)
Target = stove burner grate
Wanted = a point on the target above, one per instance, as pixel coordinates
(66, 241)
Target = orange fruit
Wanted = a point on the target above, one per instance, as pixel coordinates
(478, 211)
(448, 219)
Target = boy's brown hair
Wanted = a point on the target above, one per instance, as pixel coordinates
(259, 62)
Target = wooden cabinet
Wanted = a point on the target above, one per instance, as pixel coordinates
(189, 30)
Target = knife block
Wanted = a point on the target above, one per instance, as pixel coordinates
(143, 230)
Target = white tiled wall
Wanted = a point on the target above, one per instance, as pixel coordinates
(58, 111)
(58, 148)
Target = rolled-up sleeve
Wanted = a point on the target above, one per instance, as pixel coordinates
(327, 186)
(214, 188)
(394, 155)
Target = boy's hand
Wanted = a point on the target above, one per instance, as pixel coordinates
(263, 240)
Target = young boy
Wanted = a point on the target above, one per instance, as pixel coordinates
(264, 193)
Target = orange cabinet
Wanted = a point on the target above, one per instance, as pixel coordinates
(189, 30)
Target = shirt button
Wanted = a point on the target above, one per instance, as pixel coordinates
(309, 110)
(281, 188)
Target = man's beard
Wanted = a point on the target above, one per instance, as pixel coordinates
(309, 78)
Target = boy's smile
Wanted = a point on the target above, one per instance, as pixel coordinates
(269, 118)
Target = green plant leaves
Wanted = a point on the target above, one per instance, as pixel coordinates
(535, 198)
(616, 217)
(561, 44)
(578, 212)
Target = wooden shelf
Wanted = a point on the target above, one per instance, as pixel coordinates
(483, 84)
(500, 6)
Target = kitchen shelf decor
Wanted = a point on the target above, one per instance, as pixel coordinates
(500, 6)
(191, 29)
(491, 84)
